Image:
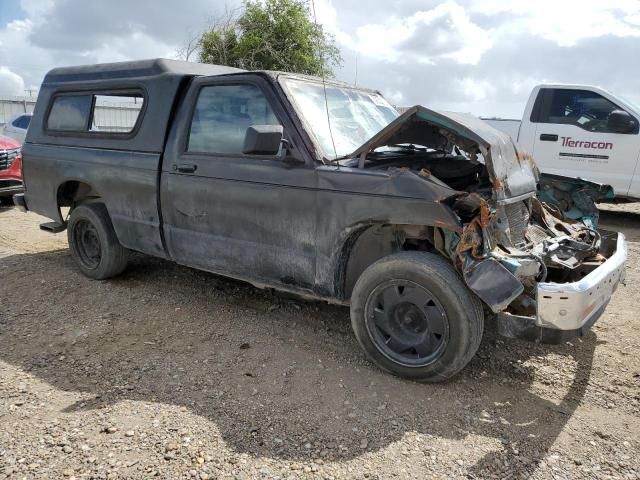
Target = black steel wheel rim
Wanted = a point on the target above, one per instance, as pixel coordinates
(407, 323)
(87, 244)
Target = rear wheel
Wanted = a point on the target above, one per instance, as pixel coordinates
(93, 242)
(414, 317)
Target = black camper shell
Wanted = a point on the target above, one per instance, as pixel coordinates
(161, 80)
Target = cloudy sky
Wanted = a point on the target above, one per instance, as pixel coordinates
(479, 56)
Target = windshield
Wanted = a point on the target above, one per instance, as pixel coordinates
(354, 115)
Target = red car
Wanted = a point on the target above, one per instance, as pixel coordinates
(10, 169)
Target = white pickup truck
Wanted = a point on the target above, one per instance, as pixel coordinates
(580, 131)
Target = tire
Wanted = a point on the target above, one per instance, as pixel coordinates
(93, 242)
(415, 318)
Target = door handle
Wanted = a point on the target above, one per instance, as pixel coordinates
(185, 167)
(548, 137)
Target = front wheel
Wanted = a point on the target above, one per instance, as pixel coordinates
(93, 242)
(414, 317)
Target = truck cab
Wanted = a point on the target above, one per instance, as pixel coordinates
(583, 131)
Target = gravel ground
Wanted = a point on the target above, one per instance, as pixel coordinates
(170, 372)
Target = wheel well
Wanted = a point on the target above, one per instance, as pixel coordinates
(73, 192)
(369, 244)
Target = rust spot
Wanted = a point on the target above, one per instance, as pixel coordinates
(485, 211)
(485, 215)
(470, 240)
(477, 201)
(528, 158)
(471, 237)
(525, 157)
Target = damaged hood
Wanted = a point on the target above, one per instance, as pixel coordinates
(514, 177)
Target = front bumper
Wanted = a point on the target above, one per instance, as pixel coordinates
(9, 187)
(566, 310)
(568, 306)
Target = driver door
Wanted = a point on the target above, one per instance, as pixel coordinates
(245, 215)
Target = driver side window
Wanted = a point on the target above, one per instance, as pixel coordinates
(582, 108)
(222, 115)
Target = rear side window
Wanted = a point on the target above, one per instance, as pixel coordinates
(582, 108)
(70, 113)
(116, 113)
(222, 115)
(96, 113)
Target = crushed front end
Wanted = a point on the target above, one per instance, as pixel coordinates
(527, 245)
(547, 278)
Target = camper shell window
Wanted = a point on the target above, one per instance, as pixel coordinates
(70, 113)
(96, 113)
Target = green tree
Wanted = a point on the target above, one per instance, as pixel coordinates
(271, 35)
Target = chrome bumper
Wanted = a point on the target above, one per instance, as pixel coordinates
(8, 190)
(573, 306)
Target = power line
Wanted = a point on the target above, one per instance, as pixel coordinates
(324, 85)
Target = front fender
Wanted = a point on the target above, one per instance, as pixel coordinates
(352, 200)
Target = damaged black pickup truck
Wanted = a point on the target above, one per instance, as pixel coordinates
(424, 223)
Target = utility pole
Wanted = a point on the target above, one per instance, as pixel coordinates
(355, 82)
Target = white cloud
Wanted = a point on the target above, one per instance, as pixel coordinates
(476, 90)
(396, 97)
(484, 56)
(481, 56)
(445, 31)
(71, 32)
(10, 83)
(566, 22)
(20, 56)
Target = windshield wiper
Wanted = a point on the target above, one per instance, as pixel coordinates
(405, 147)
(342, 157)
(409, 147)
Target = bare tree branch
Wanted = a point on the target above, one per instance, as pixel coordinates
(190, 47)
(225, 22)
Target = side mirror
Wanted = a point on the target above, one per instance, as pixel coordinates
(263, 140)
(620, 121)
